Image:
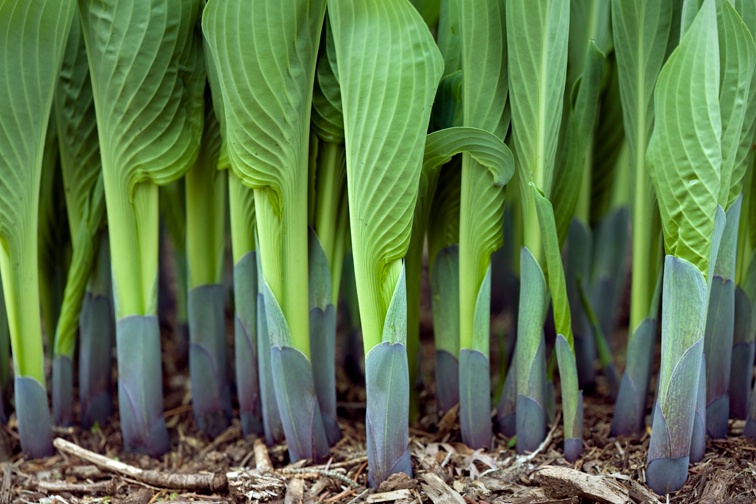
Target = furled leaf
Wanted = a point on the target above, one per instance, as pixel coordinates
(33, 32)
(684, 152)
(267, 132)
(385, 118)
(537, 35)
(737, 56)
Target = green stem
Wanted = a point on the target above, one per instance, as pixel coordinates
(330, 185)
(242, 217)
(18, 267)
(134, 233)
(283, 236)
(205, 224)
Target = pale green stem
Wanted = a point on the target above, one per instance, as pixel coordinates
(205, 224)
(134, 235)
(18, 267)
(242, 231)
(283, 252)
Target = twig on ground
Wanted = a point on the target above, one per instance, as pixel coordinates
(303, 472)
(359, 496)
(83, 488)
(211, 482)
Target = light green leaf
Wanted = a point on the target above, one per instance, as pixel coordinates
(684, 153)
(484, 147)
(641, 30)
(737, 56)
(267, 131)
(537, 36)
(35, 36)
(554, 269)
(389, 68)
(148, 83)
(327, 116)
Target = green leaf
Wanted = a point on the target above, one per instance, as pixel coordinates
(484, 147)
(82, 179)
(33, 32)
(148, 83)
(643, 31)
(737, 56)
(537, 36)
(554, 268)
(389, 68)
(443, 229)
(684, 153)
(267, 130)
(577, 139)
(327, 116)
(449, 36)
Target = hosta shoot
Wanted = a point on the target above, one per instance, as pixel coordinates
(267, 132)
(142, 147)
(36, 31)
(385, 123)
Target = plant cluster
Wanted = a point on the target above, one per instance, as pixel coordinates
(520, 148)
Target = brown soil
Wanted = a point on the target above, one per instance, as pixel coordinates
(727, 473)
(446, 471)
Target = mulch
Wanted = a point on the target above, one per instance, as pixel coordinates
(446, 471)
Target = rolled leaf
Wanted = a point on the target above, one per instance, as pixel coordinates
(34, 31)
(150, 119)
(529, 359)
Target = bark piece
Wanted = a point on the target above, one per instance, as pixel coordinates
(559, 482)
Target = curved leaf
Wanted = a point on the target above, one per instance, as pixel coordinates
(484, 147)
(737, 99)
(684, 153)
(327, 117)
(35, 36)
(386, 117)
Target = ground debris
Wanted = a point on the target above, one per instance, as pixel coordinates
(560, 482)
(438, 491)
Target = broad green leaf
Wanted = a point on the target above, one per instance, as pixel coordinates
(148, 83)
(386, 117)
(737, 56)
(684, 153)
(267, 130)
(537, 35)
(327, 116)
(484, 97)
(35, 35)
